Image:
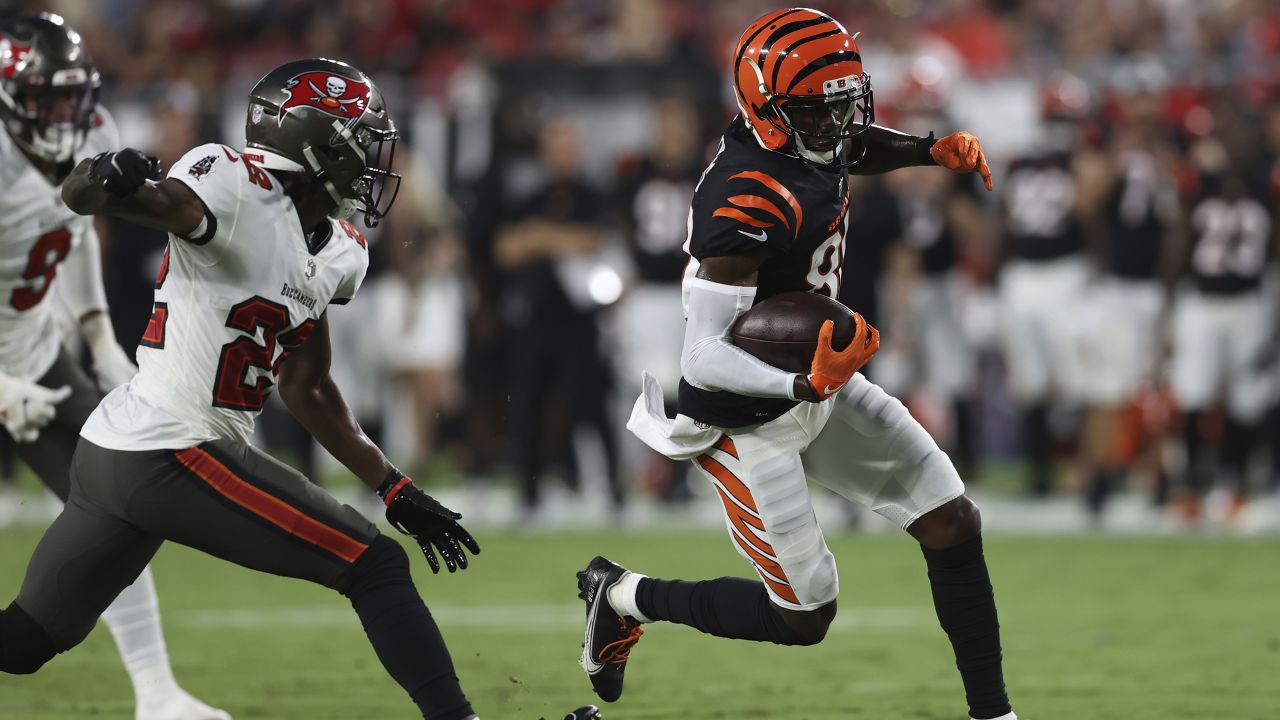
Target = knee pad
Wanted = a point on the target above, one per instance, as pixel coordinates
(24, 646)
(383, 563)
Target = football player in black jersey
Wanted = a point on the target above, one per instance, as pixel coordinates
(769, 216)
(1223, 321)
(1140, 229)
(1050, 196)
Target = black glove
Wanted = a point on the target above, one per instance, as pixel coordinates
(122, 173)
(434, 526)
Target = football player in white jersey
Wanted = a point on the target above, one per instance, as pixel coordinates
(48, 103)
(259, 248)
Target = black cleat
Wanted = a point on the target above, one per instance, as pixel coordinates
(590, 712)
(609, 635)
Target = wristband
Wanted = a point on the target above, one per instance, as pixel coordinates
(395, 482)
(923, 147)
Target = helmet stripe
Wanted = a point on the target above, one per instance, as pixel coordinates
(786, 30)
(746, 44)
(825, 60)
(796, 45)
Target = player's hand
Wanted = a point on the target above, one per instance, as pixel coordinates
(831, 369)
(434, 526)
(121, 173)
(26, 407)
(961, 152)
(113, 368)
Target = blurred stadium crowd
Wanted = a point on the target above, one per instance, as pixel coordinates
(1106, 318)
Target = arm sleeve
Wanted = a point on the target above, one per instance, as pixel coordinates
(214, 173)
(888, 149)
(81, 283)
(710, 360)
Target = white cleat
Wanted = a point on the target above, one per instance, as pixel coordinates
(1007, 716)
(177, 704)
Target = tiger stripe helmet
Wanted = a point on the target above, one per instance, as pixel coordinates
(796, 64)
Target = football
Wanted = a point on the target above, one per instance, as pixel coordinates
(783, 330)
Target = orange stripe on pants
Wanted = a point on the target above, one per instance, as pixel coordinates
(269, 507)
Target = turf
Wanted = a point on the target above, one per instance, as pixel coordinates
(1094, 628)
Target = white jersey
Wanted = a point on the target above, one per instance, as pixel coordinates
(228, 309)
(37, 233)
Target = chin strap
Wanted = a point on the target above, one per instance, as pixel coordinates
(344, 207)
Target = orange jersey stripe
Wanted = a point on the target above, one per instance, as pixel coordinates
(269, 507)
(725, 444)
(774, 185)
(732, 484)
(736, 214)
(755, 201)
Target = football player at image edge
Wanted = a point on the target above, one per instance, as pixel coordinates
(52, 120)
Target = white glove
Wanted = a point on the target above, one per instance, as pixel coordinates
(111, 363)
(25, 407)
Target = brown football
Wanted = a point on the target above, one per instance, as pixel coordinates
(783, 330)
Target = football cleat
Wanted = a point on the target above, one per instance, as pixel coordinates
(589, 712)
(609, 636)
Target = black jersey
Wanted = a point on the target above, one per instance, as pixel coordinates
(1040, 193)
(1141, 207)
(1231, 237)
(749, 197)
(655, 211)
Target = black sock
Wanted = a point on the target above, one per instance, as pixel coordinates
(403, 633)
(1196, 479)
(966, 607)
(1038, 444)
(25, 646)
(727, 607)
(1237, 446)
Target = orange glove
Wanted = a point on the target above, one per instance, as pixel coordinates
(961, 152)
(831, 369)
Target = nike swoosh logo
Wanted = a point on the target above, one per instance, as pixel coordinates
(761, 236)
(587, 662)
(828, 389)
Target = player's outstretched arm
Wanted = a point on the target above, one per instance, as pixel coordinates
(888, 150)
(308, 390)
(128, 184)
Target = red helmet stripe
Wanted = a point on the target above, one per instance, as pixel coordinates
(774, 185)
(736, 214)
(755, 201)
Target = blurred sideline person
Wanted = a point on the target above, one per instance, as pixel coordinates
(1050, 198)
(420, 308)
(560, 379)
(1129, 302)
(48, 104)
(769, 216)
(1223, 324)
(259, 247)
(654, 193)
(927, 355)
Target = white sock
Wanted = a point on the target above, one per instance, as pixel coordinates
(622, 596)
(134, 621)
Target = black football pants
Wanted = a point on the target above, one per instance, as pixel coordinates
(224, 498)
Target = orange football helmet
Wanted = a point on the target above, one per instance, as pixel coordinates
(801, 89)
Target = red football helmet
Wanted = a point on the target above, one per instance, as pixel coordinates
(799, 82)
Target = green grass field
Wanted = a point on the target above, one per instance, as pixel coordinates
(1094, 628)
